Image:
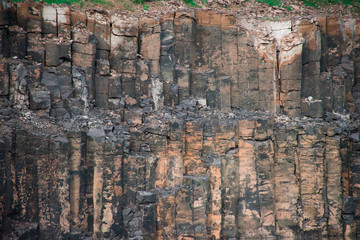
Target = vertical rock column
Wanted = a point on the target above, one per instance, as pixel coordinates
(214, 172)
(134, 180)
(268, 81)
(199, 205)
(193, 163)
(27, 15)
(123, 54)
(175, 151)
(17, 41)
(10, 8)
(20, 174)
(5, 182)
(102, 84)
(150, 42)
(157, 139)
(226, 149)
(117, 181)
(184, 51)
(32, 15)
(348, 62)
(4, 21)
(249, 223)
(57, 56)
(286, 182)
(265, 40)
(290, 69)
(208, 41)
(311, 167)
(4, 79)
(334, 35)
(35, 46)
(49, 16)
(134, 177)
(248, 82)
(63, 22)
(75, 158)
(203, 87)
(60, 200)
(311, 86)
(168, 61)
(47, 197)
(224, 85)
(356, 59)
(349, 205)
(184, 28)
(18, 94)
(183, 76)
(333, 163)
(95, 160)
(108, 197)
(83, 68)
(150, 34)
(143, 83)
(166, 215)
(99, 24)
(184, 212)
(115, 96)
(256, 216)
(229, 55)
(265, 154)
(352, 207)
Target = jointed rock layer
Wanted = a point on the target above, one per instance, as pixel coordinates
(191, 125)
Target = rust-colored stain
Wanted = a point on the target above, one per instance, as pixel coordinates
(333, 26)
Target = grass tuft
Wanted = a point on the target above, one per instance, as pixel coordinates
(145, 7)
(190, 3)
(272, 3)
(318, 3)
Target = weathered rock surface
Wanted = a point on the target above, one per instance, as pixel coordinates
(192, 125)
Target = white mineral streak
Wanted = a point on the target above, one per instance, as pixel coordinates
(49, 14)
(290, 49)
(156, 92)
(267, 36)
(63, 15)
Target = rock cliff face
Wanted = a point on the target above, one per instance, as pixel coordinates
(191, 125)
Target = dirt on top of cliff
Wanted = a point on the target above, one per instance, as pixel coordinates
(286, 9)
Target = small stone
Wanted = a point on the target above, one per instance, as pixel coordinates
(349, 205)
(145, 197)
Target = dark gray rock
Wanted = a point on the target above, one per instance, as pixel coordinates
(143, 197)
(349, 204)
(39, 98)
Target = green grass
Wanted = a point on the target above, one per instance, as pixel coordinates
(318, 3)
(190, 3)
(145, 7)
(312, 3)
(276, 3)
